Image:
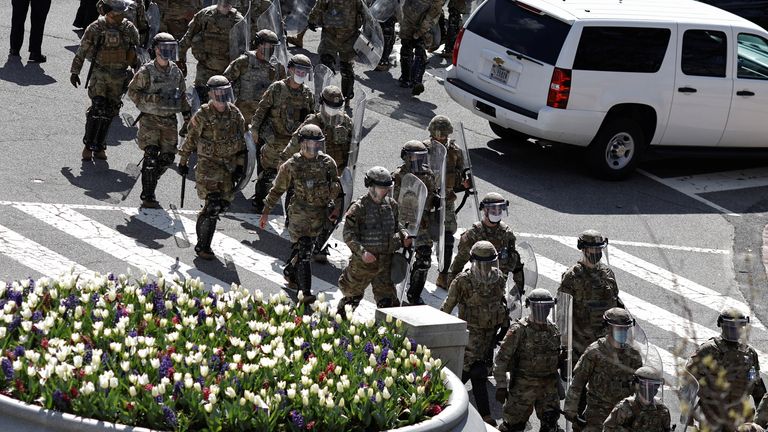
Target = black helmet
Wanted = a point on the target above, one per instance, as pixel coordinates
(541, 302)
(591, 238)
(732, 322)
(378, 176)
(220, 89)
(115, 6)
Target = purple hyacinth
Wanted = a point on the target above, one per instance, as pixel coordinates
(385, 342)
(349, 355)
(170, 416)
(159, 399)
(88, 356)
(159, 303)
(165, 364)
(344, 342)
(133, 333)
(14, 324)
(71, 302)
(15, 296)
(148, 288)
(368, 348)
(177, 387)
(380, 384)
(19, 351)
(7, 367)
(95, 298)
(60, 400)
(297, 419)
(201, 316)
(37, 316)
(383, 356)
(111, 276)
(213, 297)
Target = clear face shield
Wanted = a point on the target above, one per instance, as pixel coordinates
(418, 162)
(621, 334)
(540, 310)
(301, 74)
(495, 211)
(310, 148)
(735, 329)
(224, 6)
(378, 193)
(331, 115)
(647, 389)
(222, 94)
(266, 50)
(168, 50)
(483, 269)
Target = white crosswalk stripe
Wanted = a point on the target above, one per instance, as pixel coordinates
(36, 256)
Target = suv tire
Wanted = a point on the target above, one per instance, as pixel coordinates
(616, 149)
(508, 134)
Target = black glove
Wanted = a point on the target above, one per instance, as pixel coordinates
(501, 395)
(183, 130)
(312, 26)
(183, 170)
(75, 80)
(238, 174)
(437, 202)
(182, 64)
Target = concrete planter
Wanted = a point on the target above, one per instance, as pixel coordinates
(18, 416)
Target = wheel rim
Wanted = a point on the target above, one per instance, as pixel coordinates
(620, 151)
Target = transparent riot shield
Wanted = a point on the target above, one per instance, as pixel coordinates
(564, 321)
(272, 19)
(193, 98)
(297, 18)
(370, 42)
(461, 141)
(358, 117)
(688, 394)
(250, 162)
(240, 37)
(153, 19)
(437, 157)
(323, 76)
(653, 359)
(383, 10)
(530, 270)
(412, 199)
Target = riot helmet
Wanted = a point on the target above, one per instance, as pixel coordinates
(440, 128)
(647, 380)
(166, 46)
(619, 323)
(379, 182)
(300, 68)
(331, 103)
(416, 156)
(493, 205)
(733, 323)
(264, 42)
(118, 6)
(484, 261)
(592, 243)
(312, 141)
(541, 302)
(220, 90)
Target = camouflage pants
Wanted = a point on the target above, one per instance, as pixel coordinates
(332, 46)
(213, 176)
(247, 108)
(481, 341)
(721, 419)
(595, 414)
(109, 85)
(357, 275)
(529, 393)
(306, 221)
(203, 72)
(451, 225)
(158, 131)
(270, 151)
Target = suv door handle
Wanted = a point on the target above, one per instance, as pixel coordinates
(745, 93)
(686, 90)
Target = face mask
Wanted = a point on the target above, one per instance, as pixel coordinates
(494, 218)
(330, 111)
(620, 335)
(299, 79)
(593, 257)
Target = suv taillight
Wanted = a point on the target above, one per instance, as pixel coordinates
(456, 46)
(559, 88)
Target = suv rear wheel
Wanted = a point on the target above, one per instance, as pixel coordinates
(507, 134)
(616, 149)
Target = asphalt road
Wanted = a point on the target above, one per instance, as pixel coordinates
(685, 234)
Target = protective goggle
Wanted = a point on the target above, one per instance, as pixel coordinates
(223, 94)
(168, 50)
(734, 329)
(418, 162)
(647, 389)
(312, 147)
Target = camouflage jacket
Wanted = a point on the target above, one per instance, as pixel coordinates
(340, 19)
(208, 36)
(314, 181)
(216, 136)
(281, 110)
(250, 77)
(529, 350)
(761, 416)
(371, 226)
(157, 91)
(419, 16)
(114, 46)
(178, 9)
(738, 363)
(137, 15)
(631, 415)
(454, 168)
(482, 304)
(337, 139)
(606, 372)
(502, 238)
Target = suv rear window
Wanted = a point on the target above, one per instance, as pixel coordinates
(509, 24)
(622, 49)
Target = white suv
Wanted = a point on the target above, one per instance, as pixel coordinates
(614, 76)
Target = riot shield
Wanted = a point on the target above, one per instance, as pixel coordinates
(383, 10)
(272, 19)
(153, 19)
(240, 37)
(653, 359)
(143, 55)
(687, 393)
(323, 76)
(564, 321)
(437, 155)
(193, 98)
(250, 162)
(461, 142)
(514, 298)
(358, 116)
(412, 199)
(297, 18)
(370, 42)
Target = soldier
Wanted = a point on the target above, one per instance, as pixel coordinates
(641, 411)
(372, 233)
(419, 16)
(337, 128)
(456, 8)
(252, 73)
(136, 14)
(175, 15)
(415, 157)
(728, 372)
(761, 416)
(606, 370)
(312, 174)
(110, 43)
(284, 106)
(388, 31)
(340, 20)
(157, 89)
(440, 128)
(531, 353)
(217, 135)
(593, 287)
(496, 231)
(479, 293)
(208, 36)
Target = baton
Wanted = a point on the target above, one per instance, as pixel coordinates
(183, 189)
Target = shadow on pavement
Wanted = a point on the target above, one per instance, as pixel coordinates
(31, 74)
(98, 180)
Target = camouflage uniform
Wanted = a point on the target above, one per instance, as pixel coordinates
(607, 373)
(114, 47)
(502, 238)
(279, 114)
(723, 404)
(137, 15)
(761, 416)
(419, 16)
(159, 95)
(337, 139)
(631, 415)
(594, 290)
(530, 352)
(251, 77)
(456, 8)
(340, 20)
(175, 15)
(208, 35)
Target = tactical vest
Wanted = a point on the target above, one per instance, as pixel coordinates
(611, 381)
(212, 48)
(484, 307)
(539, 350)
(290, 108)
(117, 49)
(176, 9)
(166, 85)
(592, 296)
(377, 225)
(337, 138)
(255, 80)
(500, 237)
(740, 367)
(312, 180)
(340, 15)
(646, 417)
(220, 138)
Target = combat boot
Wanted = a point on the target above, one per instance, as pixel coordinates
(87, 154)
(488, 419)
(100, 154)
(442, 281)
(383, 65)
(418, 89)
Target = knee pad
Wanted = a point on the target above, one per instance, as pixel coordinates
(215, 205)
(113, 108)
(166, 159)
(329, 60)
(99, 107)
(423, 258)
(151, 157)
(347, 69)
(549, 421)
(305, 246)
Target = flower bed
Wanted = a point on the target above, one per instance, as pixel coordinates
(171, 355)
